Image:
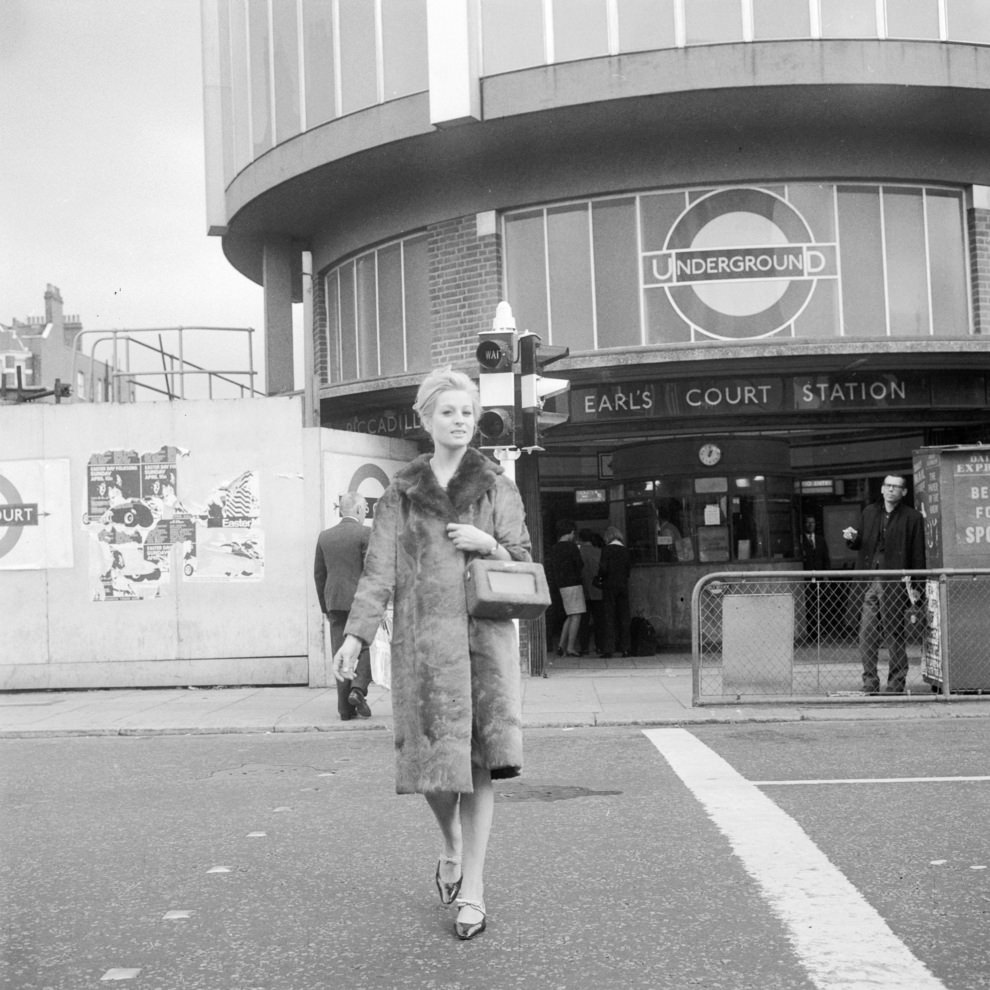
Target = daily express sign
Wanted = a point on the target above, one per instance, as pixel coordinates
(739, 263)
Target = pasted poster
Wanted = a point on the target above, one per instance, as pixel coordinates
(144, 523)
(35, 526)
(230, 544)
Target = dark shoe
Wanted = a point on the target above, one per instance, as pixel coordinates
(605, 656)
(893, 690)
(360, 705)
(448, 891)
(468, 929)
(346, 718)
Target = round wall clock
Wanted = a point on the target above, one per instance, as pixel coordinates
(709, 454)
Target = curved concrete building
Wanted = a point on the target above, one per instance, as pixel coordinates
(762, 228)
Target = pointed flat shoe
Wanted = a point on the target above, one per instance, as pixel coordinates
(448, 891)
(465, 930)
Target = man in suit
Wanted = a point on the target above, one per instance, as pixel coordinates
(891, 536)
(340, 554)
(814, 550)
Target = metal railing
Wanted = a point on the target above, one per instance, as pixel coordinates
(175, 367)
(840, 635)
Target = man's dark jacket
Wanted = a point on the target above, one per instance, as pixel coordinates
(904, 541)
(340, 554)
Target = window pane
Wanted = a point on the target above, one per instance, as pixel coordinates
(390, 329)
(569, 254)
(907, 281)
(348, 341)
(645, 24)
(367, 316)
(404, 44)
(860, 263)
(511, 34)
(664, 325)
(912, 19)
(580, 29)
(525, 271)
(318, 55)
(417, 304)
(820, 317)
(616, 273)
(968, 20)
(333, 328)
(226, 98)
(358, 59)
(261, 95)
(774, 19)
(849, 19)
(240, 87)
(286, 42)
(947, 252)
(712, 21)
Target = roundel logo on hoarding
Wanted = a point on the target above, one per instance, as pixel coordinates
(739, 263)
(14, 515)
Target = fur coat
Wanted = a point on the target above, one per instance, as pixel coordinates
(456, 684)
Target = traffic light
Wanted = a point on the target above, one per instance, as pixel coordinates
(534, 389)
(496, 380)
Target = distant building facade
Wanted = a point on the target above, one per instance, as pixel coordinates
(43, 350)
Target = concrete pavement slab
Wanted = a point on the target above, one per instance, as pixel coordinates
(633, 693)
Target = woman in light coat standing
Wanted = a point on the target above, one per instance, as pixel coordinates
(456, 692)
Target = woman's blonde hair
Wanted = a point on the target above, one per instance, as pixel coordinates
(614, 533)
(444, 380)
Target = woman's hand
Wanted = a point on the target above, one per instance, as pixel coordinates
(470, 539)
(345, 659)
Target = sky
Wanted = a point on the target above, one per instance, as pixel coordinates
(102, 177)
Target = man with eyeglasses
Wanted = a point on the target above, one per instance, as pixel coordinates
(891, 537)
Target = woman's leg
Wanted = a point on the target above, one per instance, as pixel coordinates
(476, 813)
(569, 635)
(445, 806)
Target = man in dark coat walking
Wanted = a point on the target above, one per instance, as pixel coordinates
(891, 536)
(340, 554)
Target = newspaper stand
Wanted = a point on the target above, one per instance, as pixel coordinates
(952, 491)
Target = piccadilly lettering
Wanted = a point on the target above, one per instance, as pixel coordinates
(386, 423)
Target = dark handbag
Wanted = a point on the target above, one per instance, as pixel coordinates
(505, 589)
(597, 581)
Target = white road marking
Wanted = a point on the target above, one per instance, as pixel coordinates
(840, 939)
(120, 974)
(866, 780)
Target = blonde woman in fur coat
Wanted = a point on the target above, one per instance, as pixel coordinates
(456, 693)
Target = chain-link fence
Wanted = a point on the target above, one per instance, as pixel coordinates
(813, 635)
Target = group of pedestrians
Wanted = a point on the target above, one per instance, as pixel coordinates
(588, 576)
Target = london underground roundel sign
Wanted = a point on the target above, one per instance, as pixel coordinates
(739, 263)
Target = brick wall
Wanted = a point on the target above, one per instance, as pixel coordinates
(465, 288)
(979, 243)
(320, 356)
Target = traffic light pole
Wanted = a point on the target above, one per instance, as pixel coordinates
(510, 426)
(528, 483)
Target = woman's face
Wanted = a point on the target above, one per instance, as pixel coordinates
(451, 423)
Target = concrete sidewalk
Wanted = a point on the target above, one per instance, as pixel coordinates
(636, 693)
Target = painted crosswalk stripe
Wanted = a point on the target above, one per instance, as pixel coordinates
(842, 942)
(869, 780)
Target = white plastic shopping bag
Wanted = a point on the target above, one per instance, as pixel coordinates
(381, 653)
